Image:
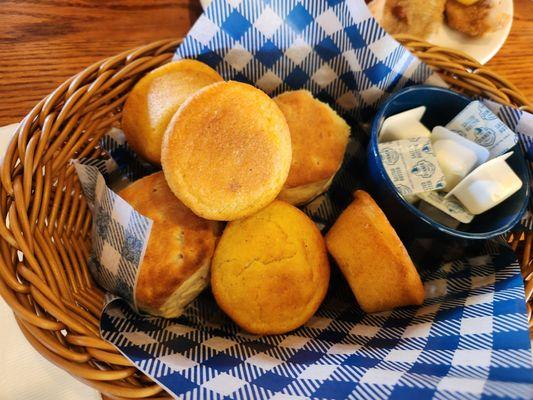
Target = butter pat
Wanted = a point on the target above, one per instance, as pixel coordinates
(487, 186)
(412, 166)
(455, 160)
(405, 125)
(480, 125)
(457, 156)
(440, 132)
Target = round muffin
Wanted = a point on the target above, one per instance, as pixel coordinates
(175, 267)
(227, 151)
(319, 138)
(270, 271)
(154, 100)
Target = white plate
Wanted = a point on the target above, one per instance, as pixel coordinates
(205, 3)
(482, 48)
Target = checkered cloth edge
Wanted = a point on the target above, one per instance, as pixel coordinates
(469, 340)
(119, 235)
(335, 49)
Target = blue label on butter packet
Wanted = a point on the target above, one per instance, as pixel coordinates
(411, 165)
(480, 125)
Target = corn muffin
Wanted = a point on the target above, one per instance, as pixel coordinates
(154, 100)
(372, 258)
(270, 270)
(319, 137)
(227, 152)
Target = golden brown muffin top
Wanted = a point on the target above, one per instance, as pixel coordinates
(270, 271)
(227, 151)
(154, 100)
(318, 136)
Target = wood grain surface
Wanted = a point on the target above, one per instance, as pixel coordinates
(43, 42)
(515, 59)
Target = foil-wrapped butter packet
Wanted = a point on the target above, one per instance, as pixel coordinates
(480, 125)
(412, 165)
(449, 205)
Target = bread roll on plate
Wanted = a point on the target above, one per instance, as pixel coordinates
(475, 18)
(270, 271)
(227, 151)
(319, 137)
(176, 264)
(372, 258)
(414, 17)
(154, 100)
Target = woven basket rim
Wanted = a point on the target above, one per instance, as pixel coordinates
(50, 290)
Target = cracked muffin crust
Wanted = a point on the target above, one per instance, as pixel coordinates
(319, 137)
(270, 271)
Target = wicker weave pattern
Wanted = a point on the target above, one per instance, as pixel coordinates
(49, 289)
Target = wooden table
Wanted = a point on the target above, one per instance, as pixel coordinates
(44, 42)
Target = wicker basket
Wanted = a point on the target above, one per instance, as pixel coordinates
(45, 244)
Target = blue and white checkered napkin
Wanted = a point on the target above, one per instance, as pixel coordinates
(334, 48)
(469, 340)
(119, 233)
